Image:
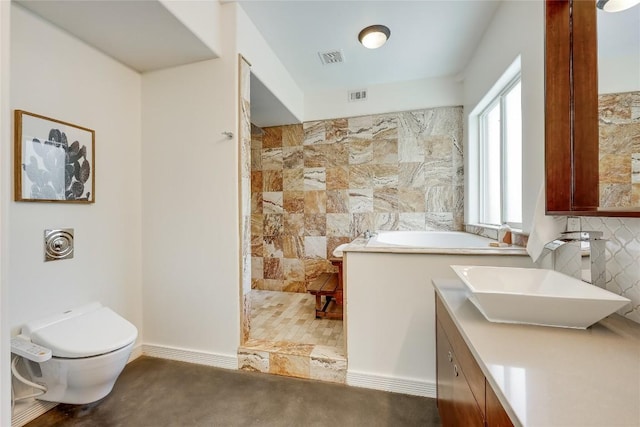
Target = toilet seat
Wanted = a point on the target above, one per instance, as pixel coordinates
(86, 332)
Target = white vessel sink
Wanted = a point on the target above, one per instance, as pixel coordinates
(536, 296)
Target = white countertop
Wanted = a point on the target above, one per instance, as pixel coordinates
(547, 376)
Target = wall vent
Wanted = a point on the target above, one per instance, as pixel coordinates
(357, 95)
(331, 57)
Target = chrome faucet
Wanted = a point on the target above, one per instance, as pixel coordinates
(568, 254)
(367, 234)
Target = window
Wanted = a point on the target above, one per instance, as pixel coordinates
(500, 158)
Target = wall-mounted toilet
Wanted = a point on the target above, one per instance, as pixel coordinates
(90, 346)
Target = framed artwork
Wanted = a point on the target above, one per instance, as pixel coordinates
(54, 160)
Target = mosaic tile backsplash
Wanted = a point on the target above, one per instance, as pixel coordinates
(317, 185)
(623, 258)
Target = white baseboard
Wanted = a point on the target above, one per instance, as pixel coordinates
(191, 356)
(393, 384)
(135, 353)
(30, 412)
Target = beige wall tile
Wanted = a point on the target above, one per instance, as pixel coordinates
(273, 224)
(292, 135)
(272, 159)
(292, 157)
(272, 180)
(337, 178)
(337, 201)
(294, 224)
(272, 246)
(314, 133)
(273, 268)
(294, 268)
(272, 202)
(293, 247)
(293, 179)
(338, 224)
(315, 201)
(272, 137)
(256, 181)
(341, 177)
(385, 151)
(315, 224)
(293, 201)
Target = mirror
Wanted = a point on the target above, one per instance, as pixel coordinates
(572, 144)
(619, 107)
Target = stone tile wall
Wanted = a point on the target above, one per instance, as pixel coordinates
(619, 149)
(317, 185)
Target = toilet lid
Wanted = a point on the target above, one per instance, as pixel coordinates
(90, 334)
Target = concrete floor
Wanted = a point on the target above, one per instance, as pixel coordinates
(157, 392)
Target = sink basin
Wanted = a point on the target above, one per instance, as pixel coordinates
(536, 296)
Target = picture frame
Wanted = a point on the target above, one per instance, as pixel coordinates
(54, 160)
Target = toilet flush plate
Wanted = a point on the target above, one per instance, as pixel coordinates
(58, 244)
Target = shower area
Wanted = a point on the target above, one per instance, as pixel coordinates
(308, 188)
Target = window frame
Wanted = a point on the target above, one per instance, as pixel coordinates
(498, 99)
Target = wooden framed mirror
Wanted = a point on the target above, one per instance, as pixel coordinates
(572, 142)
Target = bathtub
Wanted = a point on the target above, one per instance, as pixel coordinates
(429, 239)
(433, 242)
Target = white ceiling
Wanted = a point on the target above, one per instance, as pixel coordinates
(141, 34)
(428, 38)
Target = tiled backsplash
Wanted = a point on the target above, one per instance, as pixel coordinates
(623, 258)
(619, 149)
(323, 183)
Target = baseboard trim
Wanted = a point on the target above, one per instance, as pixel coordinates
(135, 353)
(191, 356)
(30, 413)
(393, 384)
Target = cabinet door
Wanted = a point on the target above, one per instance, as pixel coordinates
(465, 407)
(456, 403)
(444, 372)
(496, 415)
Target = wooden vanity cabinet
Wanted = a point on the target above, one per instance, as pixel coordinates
(464, 396)
(495, 415)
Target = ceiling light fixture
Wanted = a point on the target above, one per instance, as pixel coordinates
(615, 5)
(375, 36)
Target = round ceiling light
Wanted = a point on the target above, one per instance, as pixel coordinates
(374, 36)
(616, 5)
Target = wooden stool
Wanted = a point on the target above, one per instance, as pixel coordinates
(339, 291)
(327, 285)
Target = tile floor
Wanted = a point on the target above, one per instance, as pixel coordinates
(290, 317)
(285, 338)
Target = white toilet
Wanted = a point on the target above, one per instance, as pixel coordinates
(90, 346)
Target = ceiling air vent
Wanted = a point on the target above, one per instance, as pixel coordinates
(331, 57)
(357, 95)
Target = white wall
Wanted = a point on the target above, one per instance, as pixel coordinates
(619, 74)
(385, 98)
(201, 17)
(516, 29)
(391, 316)
(56, 75)
(265, 65)
(5, 190)
(190, 212)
